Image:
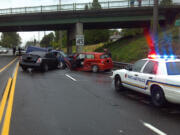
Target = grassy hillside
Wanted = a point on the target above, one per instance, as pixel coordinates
(89, 48)
(128, 49)
(132, 49)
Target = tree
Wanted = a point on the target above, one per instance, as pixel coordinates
(10, 39)
(166, 2)
(96, 5)
(86, 7)
(96, 36)
(47, 40)
(131, 32)
(60, 43)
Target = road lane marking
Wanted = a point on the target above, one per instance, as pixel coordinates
(1, 70)
(154, 129)
(7, 119)
(71, 77)
(4, 99)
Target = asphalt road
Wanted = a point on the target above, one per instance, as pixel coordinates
(63, 102)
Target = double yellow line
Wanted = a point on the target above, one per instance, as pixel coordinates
(1, 70)
(8, 98)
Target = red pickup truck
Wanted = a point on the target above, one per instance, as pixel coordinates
(91, 61)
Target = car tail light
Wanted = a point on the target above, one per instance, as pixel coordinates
(39, 60)
(102, 62)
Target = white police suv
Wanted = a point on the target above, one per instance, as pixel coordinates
(157, 76)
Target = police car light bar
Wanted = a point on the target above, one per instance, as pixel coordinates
(154, 56)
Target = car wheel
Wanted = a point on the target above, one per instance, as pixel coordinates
(118, 84)
(158, 98)
(45, 67)
(24, 68)
(95, 69)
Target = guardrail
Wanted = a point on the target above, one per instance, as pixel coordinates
(76, 7)
(121, 65)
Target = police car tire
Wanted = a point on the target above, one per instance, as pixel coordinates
(95, 68)
(118, 84)
(158, 98)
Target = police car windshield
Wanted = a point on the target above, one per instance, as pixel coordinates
(173, 68)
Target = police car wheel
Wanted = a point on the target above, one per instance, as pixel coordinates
(95, 69)
(118, 84)
(158, 98)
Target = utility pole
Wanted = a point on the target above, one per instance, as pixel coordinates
(60, 32)
(155, 17)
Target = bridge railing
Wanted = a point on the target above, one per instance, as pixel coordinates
(76, 7)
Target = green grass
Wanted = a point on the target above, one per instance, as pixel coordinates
(87, 48)
(127, 50)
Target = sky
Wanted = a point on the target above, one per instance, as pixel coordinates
(29, 36)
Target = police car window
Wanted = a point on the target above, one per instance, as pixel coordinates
(138, 65)
(90, 56)
(151, 67)
(173, 68)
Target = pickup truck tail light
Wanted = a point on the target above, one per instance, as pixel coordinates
(39, 60)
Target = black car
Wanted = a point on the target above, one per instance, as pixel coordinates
(39, 60)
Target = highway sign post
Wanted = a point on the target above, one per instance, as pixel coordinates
(79, 40)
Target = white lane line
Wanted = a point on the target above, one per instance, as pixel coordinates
(154, 129)
(71, 77)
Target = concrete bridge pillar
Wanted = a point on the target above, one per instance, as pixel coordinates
(70, 38)
(79, 31)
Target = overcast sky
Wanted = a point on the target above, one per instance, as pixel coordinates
(26, 36)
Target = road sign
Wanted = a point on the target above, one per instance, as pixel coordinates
(177, 23)
(79, 40)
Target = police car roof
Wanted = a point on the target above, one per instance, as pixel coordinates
(163, 60)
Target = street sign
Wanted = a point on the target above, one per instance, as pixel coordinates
(177, 23)
(79, 40)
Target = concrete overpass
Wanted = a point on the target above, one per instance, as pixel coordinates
(74, 17)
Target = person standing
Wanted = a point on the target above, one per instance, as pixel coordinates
(106, 51)
(140, 2)
(132, 3)
(19, 49)
(14, 50)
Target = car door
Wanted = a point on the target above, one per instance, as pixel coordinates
(133, 79)
(149, 73)
(88, 61)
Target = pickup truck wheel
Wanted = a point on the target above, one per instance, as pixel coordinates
(118, 84)
(95, 68)
(45, 67)
(157, 96)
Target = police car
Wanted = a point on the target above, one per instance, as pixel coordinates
(157, 76)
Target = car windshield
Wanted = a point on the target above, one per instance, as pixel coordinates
(173, 68)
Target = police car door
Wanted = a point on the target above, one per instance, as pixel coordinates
(149, 73)
(133, 79)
